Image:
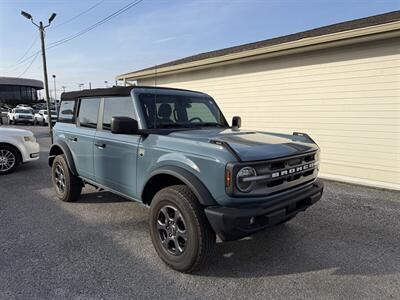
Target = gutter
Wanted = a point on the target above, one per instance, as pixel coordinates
(371, 33)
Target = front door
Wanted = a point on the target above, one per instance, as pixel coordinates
(115, 155)
(81, 138)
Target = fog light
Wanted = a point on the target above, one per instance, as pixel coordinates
(34, 155)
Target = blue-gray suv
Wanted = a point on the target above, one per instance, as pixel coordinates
(173, 150)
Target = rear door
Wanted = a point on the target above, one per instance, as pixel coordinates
(115, 155)
(81, 137)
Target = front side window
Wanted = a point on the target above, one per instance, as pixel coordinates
(88, 112)
(117, 107)
(67, 110)
(169, 111)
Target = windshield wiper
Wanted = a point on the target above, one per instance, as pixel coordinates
(188, 125)
(171, 125)
(208, 124)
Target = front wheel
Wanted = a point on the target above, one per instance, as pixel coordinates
(9, 159)
(68, 187)
(179, 229)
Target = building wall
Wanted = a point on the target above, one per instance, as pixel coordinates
(347, 98)
(15, 94)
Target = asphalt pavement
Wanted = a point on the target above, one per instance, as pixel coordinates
(347, 246)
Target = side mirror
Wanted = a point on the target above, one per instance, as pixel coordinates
(124, 125)
(67, 112)
(236, 123)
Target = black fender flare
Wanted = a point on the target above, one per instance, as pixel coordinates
(192, 181)
(68, 156)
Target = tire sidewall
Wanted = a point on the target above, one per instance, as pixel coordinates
(189, 256)
(60, 161)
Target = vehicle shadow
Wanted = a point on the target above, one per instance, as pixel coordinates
(96, 197)
(333, 236)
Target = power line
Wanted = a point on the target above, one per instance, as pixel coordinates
(78, 15)
(21, 60)
(29, 66)
(71, 37)
(106, 19)
(29, 49)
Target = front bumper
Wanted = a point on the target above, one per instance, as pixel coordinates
(30, 152)
(232, 223)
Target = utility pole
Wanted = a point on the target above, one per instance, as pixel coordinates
(46, 83)
(90, 85)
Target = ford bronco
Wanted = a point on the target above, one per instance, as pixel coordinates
(173, 150)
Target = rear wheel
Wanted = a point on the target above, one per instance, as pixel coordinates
(179, 229)
(68, 187)
(9, 159)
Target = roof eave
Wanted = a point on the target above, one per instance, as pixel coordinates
(280, 48)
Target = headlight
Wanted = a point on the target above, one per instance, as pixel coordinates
(242, 184)
(30, 139)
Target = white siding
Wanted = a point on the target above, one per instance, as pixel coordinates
(347, 98)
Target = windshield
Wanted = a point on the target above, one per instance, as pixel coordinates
(172, 111)
(23, 111)
(53, 112)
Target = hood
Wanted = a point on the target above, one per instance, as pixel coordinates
(253, 145)
(14, 132)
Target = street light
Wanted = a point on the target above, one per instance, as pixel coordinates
(81, 85)
(106, 83)
(53, 15)
(63, 87)
(46, 83)
(26, 15)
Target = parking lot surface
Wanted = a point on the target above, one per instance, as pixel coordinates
(345, 247)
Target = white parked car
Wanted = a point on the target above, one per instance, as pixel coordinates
(23, 106)
(41, 117)
(16, 146)
(21, 115)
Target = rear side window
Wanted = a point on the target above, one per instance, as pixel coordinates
(88, 112)
(117, 107)
(67, 111)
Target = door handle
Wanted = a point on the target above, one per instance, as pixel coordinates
(100, 146)
(73, 139)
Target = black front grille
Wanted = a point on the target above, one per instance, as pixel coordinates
(25, 117)
(277, 175)
(285, 172)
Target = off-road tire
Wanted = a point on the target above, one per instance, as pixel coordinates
(16, 156)
(200, 238)
(73, 184)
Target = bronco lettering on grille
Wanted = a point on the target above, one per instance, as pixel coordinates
(292, 170)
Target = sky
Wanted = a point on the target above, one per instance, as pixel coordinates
(152, 32)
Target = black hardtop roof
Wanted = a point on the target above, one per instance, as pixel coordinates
(114, 91)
